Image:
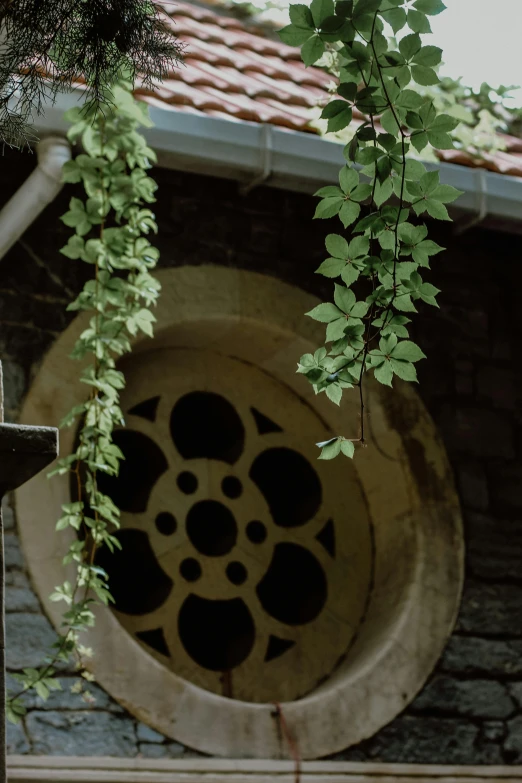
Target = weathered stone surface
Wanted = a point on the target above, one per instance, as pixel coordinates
(496, 386)
(175, 750)
(472, 698)
(81, 734)
(494, 730)
(14, 384)
(12, 552)
(20, 599)
(24, 452)
(16, 578)
(488, 753)
(472, 655)
(491, 609)
(506, 487)
(513, 743)
(415, 741)
(28, 638)
(16, 740)
(494, 546)
(65, 699)
(464, 377)
(476, 432)
(146, 734)
(515, 691)
(169, 750)
(152, 751)
(473, 486)
(8, 516)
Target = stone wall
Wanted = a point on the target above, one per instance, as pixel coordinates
(471, 709)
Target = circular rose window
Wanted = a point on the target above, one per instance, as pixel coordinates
(251, 573)
(240, 550)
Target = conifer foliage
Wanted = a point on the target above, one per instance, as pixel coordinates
(48, 44)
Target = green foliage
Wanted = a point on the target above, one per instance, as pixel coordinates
(111, 223)
(48, 44)
(381, 193)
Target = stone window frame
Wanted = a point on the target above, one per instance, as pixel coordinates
(393, 662)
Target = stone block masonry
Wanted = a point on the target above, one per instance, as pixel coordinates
(470, 712)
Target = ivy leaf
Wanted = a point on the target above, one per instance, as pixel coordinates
(419, 140)
(410, 99)
(427, 293)
(359, 246)
(404, 370)
(312, 50)
(333, 108)
(334, 393)
(368, 155)
(301, 16)
(383, 192)
(428, 56)
(422, 75)
(349, 213)
(350, 273)
(331, 267)
(329, 191)
(445, 193)
(384, 373)
(444, 123)
(424, 250)
(335, 330)
(74, 248)
(407, 351)
(325, 313)
(430, 7)
(348, 91)
(330, 448)
(404, 304)
(389, 123)
(294, 36)
(441, 141)
(344, 298)
(321, 10)
(414, 169)
(396, 18)
(418, 22)
(337, 246)
(361, 192)
(340, 121)
(410, 45)
(329, 207)
(347, 448)
(437, 210)
(348, 179)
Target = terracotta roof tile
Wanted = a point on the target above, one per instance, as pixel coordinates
(233, 71)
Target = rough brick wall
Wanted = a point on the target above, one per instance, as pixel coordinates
(471, 709)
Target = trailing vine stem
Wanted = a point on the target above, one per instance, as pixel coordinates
(110, 227)
(382, 190)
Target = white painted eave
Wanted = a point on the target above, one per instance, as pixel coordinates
(301, 162)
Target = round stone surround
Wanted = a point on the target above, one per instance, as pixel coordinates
(264, 576)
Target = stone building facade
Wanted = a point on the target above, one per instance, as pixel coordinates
(470, 711)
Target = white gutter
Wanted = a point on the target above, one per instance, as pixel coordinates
(38, 190)
(300, 162)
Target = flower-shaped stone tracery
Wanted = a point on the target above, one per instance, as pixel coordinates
(237, 569)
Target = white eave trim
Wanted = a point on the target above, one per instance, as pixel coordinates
(300, 162)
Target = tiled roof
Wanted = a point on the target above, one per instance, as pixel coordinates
(234, 71)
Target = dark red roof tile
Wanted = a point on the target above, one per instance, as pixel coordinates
(234, 71)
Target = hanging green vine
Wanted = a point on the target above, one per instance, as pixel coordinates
(379, 195)
(111, 225)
